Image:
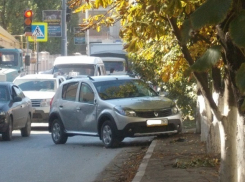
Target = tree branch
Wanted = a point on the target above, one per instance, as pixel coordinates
(200, 77)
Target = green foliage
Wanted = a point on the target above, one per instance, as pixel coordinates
(184, 93)
(210, 13)
(208, 60)
(240, 81)
(237, 29)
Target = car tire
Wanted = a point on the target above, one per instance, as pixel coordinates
(108, 135)
(57, 132)
(7, 135)
(120, 139)
(26, 131)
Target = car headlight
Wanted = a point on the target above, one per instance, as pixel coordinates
(45, 103)
(2, 113)
(2, 117)
(174, 110)
(125, 111)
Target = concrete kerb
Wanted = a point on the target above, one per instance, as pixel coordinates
(144, 163)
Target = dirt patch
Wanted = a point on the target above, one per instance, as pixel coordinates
(124, 166)
(181, 158)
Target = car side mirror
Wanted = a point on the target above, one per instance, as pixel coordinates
(17, 99)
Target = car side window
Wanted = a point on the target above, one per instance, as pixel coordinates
(99, 72)
(18, 92)
(86, 94)
(69, 91)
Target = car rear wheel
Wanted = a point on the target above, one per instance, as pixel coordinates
(57, 132)
(26, 131)
(108, 135)
(7, 135)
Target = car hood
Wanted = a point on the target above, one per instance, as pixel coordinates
(2, 105)
(143, 103)
(39, 94)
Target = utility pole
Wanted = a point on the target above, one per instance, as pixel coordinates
(64, 30)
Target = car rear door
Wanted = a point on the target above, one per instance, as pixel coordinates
(20, 109)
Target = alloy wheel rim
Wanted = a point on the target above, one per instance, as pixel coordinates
(56, 132)
(107, 135)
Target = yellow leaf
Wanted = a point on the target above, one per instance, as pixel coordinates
(79, 9)
(98, 28)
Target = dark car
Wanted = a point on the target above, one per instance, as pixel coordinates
(15, 111)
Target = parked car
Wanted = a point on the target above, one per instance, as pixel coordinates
(40, 88)
(112, 108)
(15, 111)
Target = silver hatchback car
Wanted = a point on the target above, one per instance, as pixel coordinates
(111, 108)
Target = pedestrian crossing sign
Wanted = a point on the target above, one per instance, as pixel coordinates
(39, 32)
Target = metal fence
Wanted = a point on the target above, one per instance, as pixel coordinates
(44, 61)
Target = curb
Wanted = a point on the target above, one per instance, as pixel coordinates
(144, 163)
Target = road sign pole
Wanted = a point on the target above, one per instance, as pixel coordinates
(64, 30)
(37, 55)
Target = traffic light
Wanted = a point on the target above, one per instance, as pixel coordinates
(27, 20)
(68, 14)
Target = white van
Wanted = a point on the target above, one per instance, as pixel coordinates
(115, 65)
(78, 65)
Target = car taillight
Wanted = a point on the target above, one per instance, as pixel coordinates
(51, 101)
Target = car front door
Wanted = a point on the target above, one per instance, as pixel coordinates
(67, 106)
(86, 110)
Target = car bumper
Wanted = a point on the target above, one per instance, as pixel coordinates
(134, 127)
(40, 116)
(3, 127)
(141, 129)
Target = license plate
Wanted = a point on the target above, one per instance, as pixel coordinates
(157, 122)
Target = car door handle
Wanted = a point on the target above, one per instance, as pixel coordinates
(78, 109)
(61, 107)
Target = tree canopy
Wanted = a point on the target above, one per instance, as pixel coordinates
(201, 39)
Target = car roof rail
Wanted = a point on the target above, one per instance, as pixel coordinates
(90, 77)
(81, 76)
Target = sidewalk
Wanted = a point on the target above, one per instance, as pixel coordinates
(177, 158)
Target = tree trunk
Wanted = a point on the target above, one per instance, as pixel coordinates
(240, 148)
(228, 167)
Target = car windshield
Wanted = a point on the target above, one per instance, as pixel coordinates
(4, 94)
(115, 89)
(115, 65)
(74, 69)
(36, 85)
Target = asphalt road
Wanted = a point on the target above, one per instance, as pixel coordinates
(38, 159)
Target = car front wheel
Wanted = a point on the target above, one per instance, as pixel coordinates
(26, 131)
(7, 135)
(57, 132)
(108, 135)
